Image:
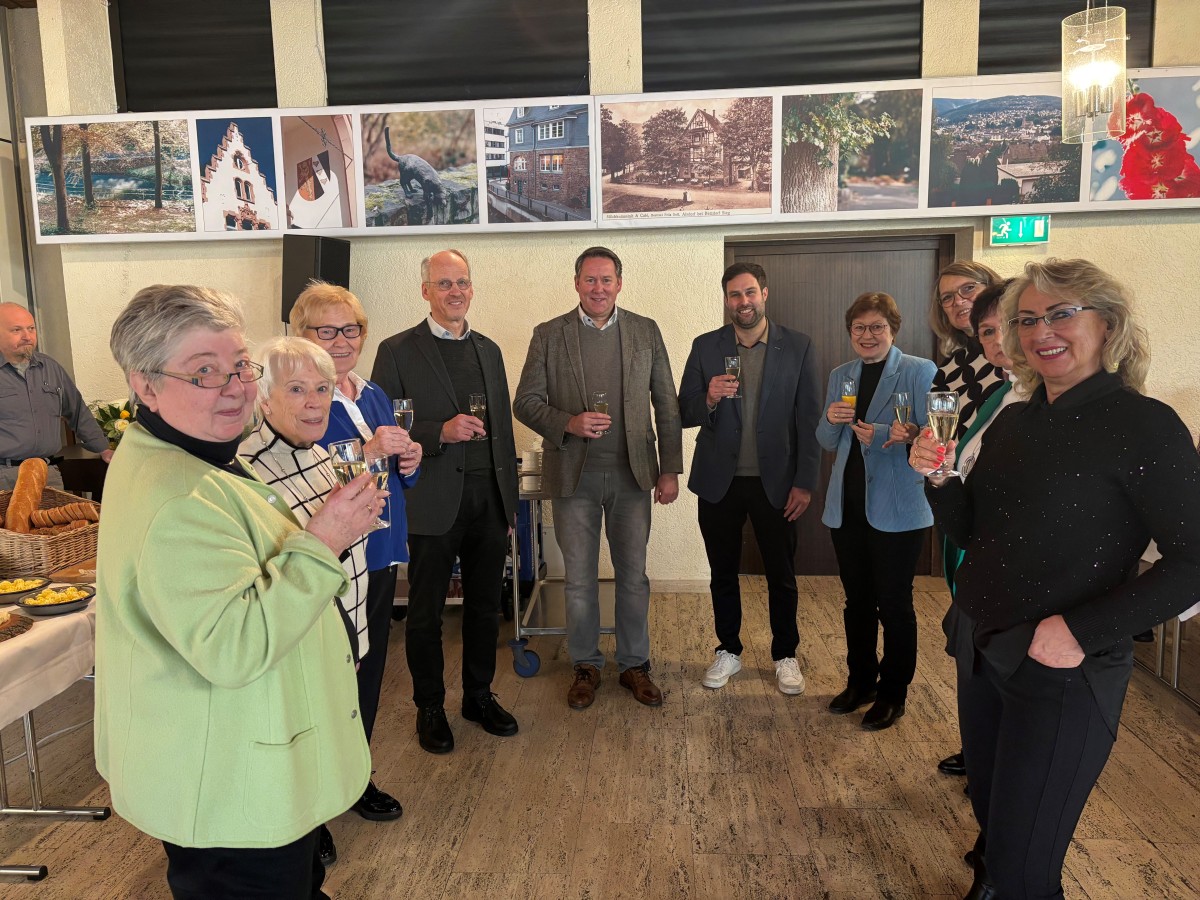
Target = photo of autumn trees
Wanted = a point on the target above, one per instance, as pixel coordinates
(128, 177)
(686, 157)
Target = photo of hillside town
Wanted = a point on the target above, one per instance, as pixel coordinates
(991, 147)
(673, 158)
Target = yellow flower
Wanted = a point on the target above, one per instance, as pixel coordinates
(124, 414)
(120, 424)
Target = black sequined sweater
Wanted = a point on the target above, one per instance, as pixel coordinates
(1059, 509)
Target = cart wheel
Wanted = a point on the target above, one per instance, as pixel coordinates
(525, 662)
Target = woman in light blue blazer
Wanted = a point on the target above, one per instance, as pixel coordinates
(875, 509)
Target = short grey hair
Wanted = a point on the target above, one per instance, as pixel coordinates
(283, 357)
(149, 329)
(425, 262)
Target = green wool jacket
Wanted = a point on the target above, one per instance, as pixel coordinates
(226, 701)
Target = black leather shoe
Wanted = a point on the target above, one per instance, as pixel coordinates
(433, 731)
(982, 887)
(882, 715)
(851, 699)
(494, 718)
(953, 765)
(377, 806)
(326, 852)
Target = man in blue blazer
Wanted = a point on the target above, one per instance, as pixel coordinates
(755, 456)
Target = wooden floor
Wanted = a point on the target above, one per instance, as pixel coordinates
(736, 793)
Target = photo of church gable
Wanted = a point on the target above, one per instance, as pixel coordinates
(548, 154)
(235, 192)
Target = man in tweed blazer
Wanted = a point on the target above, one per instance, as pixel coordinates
(603, 465)
(465, 501)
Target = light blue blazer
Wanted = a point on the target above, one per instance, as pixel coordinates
(895, 493)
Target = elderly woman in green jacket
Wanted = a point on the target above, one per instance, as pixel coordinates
(226, 701)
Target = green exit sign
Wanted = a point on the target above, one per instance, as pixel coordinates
(1008, 230)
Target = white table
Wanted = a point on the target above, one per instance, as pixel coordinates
(35, 667)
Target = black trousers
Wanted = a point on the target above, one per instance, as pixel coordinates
(290, 872)
(381, 594)
(721, 525)
(1035, 745)
(479, 539)
(877, 568)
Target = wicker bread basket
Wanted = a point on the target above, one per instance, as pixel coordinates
(37, 554)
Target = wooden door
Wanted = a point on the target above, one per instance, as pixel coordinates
(811, 284)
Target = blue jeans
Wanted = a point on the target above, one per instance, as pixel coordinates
(625, 509)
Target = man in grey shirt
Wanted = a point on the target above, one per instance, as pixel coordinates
(757, 458)
(603, 464)
(36, 393)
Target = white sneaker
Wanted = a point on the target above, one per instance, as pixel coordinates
(724, 667)
(788, 677)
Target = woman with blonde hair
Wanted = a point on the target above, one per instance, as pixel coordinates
(1053, 519)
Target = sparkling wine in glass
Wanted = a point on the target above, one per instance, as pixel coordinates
(943, 422)
(379, 465)
(347, 460)
(404, 413)
(902, 406)
(600, 405)
(733, 367)
(478, 406)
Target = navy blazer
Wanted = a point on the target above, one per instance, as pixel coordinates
(895, 493)
(788, 409)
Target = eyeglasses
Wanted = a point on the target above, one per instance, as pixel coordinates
(876, 328)
(445, 284)
(965, 291)
(215, 380)
(1055, 318)
(329, 332)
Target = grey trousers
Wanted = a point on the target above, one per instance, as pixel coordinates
(8, 478)
(625, 509)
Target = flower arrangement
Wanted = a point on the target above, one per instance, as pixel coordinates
(1156, 164)
(113, 418)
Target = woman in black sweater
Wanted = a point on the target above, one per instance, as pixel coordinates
(1054, 518)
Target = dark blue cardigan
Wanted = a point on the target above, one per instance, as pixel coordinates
(387, 545)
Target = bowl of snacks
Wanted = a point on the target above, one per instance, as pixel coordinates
(57, 599)
(12, 589)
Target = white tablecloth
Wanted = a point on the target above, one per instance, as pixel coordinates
(46, 660)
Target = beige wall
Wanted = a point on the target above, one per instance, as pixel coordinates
(670, 274)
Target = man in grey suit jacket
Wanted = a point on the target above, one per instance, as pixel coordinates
(603, 464)
(755, 456)
(465, 501)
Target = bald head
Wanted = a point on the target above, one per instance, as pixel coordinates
(18, 333)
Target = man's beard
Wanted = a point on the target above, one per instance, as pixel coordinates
(758, 315)
(24, 354)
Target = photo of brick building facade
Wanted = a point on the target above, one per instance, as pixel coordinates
(549, 164)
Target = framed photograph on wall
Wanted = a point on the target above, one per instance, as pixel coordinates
(538, 162)
(665, 158)
(321, 184)
(111, 176)
(237, 181)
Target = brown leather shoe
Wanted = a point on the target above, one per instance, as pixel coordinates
(582, 691)
(644, 690)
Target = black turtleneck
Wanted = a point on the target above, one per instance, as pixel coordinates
(221, 454)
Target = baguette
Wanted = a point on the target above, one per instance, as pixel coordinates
(61, 515)
(26, 495)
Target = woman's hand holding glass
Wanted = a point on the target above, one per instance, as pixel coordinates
(864, 431)
(902, 434)
(840, 413)
(348, 513)
(928, 455)
(389, 440)
(410, 460)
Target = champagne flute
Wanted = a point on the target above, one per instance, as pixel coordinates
(733, 366)
(902, 406)
(379, 464)
(600, 405)
(849, 390)
(404, 413)
(943, 421)
(478, 405)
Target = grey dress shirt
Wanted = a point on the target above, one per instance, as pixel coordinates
(31, 409)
